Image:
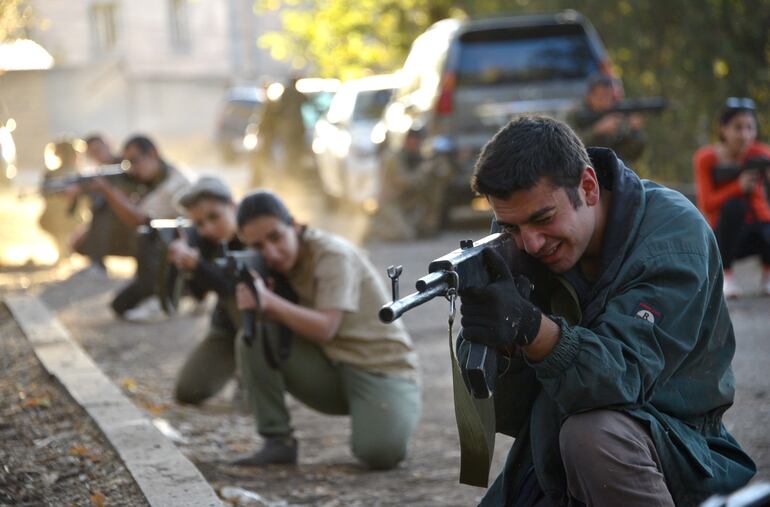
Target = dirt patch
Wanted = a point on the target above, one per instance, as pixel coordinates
(52, 452)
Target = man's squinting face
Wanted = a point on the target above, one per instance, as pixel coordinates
(544, 223)
(213, 219)
(275, 240)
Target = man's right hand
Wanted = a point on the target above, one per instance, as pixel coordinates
(499, 315)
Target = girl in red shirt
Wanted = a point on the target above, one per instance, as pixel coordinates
(737, 208)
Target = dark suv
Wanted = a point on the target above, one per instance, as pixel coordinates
(463, 80)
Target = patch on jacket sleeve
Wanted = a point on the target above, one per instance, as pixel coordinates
(648, 313)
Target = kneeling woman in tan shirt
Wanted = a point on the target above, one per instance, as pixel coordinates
(342, 360)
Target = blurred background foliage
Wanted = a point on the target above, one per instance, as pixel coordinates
(15, 17)
(694, 53)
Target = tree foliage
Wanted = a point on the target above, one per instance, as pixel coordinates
(350, 38)
(694, 53)
(15, 16)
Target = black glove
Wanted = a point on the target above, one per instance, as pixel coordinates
(499, 314)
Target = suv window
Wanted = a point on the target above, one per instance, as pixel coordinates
(503, 56)
(371, 104)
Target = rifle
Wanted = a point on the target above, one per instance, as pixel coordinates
(170, 285)
(456, 271)
(587, 117)
(723, 173)
(237, 266)
(56, 184)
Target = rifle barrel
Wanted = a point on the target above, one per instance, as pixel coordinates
(396, 309)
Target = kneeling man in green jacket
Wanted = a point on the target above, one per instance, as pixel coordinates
(619, 400)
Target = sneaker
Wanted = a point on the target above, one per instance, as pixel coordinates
(147, 311)
(730, 287)
(275, 451)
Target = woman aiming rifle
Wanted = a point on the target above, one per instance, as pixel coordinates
(342, 359)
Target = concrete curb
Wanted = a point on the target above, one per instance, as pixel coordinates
(163, 474)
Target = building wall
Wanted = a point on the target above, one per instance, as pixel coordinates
(148, 42)
(65, 31)
(145, 83)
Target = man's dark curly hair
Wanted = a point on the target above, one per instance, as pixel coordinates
(526, 150)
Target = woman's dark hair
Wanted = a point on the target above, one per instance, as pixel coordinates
(526, 150)
(735, 106)
(263, 203)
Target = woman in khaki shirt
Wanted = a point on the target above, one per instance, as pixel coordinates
(342, 360)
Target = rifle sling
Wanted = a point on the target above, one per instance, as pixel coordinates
(475, 426)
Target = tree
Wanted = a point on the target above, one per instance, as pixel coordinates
(15, 16)
(350, 38)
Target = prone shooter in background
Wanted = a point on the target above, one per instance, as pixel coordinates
(607, 121)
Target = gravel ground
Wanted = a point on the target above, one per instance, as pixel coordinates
(51, 453)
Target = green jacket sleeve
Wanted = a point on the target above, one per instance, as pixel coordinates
(621, 359)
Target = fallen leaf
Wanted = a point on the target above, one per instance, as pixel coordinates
(98, 499)
(153, 408)
(39, 401)
(78, 450)
(129, 385)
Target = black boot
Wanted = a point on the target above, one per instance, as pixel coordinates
(275, 451)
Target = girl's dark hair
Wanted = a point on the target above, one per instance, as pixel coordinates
(729, 113)
(263, 203)
(733, 107)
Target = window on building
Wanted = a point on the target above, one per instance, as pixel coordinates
(179, 19)
(104, 27)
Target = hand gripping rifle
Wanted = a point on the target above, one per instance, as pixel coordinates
(458, 270)
(237, 266)
(170, 284)
(722, 173)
